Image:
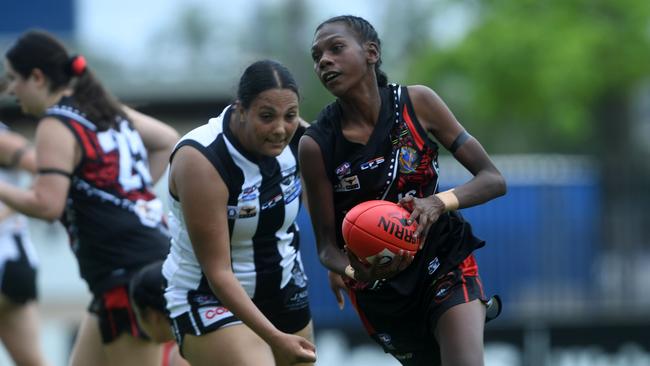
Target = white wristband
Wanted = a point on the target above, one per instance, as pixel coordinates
(449, 199)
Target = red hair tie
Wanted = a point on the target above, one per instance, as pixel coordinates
(78, 65)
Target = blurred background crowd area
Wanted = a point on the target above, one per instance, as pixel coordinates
(557, 91)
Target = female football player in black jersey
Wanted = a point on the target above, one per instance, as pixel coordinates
(237, 291)
(373, 143)
(96, 164)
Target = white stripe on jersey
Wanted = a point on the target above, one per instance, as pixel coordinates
(70, 112)
(241, 240)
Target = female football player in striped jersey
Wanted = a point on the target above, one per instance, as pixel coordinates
(237, 290)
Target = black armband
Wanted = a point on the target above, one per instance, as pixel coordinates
(459, 141)
(54, 171)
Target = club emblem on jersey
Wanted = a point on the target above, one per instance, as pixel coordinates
(247, 211)
(408, 159)
(347, 184)
(372, 164)
(343, 170)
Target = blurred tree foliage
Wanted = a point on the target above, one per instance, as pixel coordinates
(542, 75)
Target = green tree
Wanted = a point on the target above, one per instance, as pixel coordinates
(543, 75)
(555, 76)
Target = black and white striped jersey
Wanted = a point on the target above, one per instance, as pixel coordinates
(263, 203)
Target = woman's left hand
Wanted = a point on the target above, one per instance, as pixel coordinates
(338, 287)
(425, 211)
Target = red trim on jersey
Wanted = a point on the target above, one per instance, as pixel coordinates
(366, 324)
(480, 287)
(465, 292)
(414, 132)
(118, 298)
(469, 266)
(91, 153)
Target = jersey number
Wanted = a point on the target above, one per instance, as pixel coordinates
(134, 172)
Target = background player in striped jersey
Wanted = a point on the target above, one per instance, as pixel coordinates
(147, 291)
(19, 323)
(237, 291)
(427, 309)
(96, 164)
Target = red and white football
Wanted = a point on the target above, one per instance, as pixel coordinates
(378, 230)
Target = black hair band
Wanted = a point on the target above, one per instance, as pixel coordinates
(459, 141)
(55, 171)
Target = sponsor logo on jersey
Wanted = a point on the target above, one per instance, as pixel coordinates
(343, 170)
(203, 300)
(403, 356)
(433, 265)
(372, 164)
(299, 277)
(272, 202)
(299, 297)
(288, 180)
(249, 193)
(347, 184)
(249, 190)
(247, 211)
(291, 171)
(232, 212)
(386, 340)
(212, 314)
(408, 159)
(443, 288)
(293, 191)
(248, 197)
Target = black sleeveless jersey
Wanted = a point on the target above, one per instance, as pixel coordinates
(112, 215)
(399, 159)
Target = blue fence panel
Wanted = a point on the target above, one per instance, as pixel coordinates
(325, 311)
(54, 16)
(542, 242)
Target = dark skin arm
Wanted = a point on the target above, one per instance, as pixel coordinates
(321, 210)
(487, 183)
